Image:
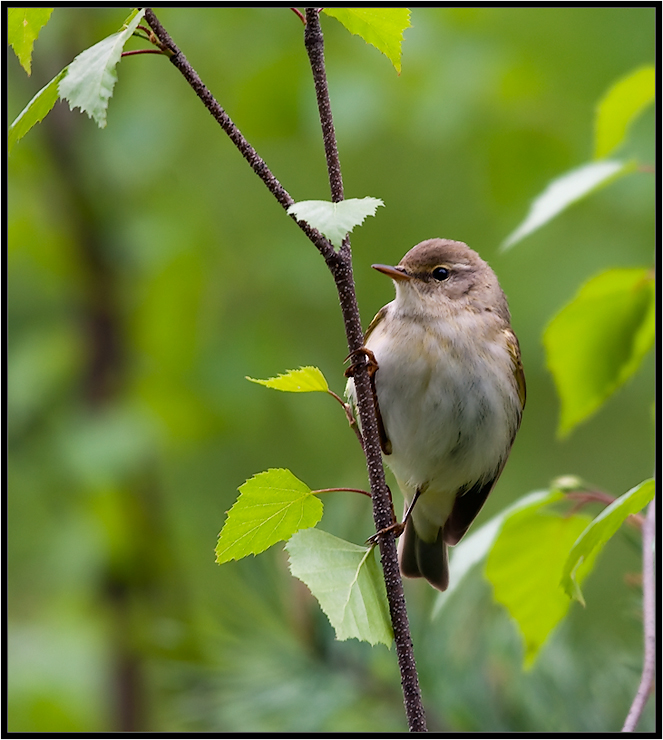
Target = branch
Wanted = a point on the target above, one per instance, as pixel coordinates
(648, 619)
(382, 506)
(223, 119)
(340, 265)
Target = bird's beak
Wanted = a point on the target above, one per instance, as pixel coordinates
(395, 273)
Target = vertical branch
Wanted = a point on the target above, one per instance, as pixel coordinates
(382, 505)
(648, 619)
(314, 44)
(340, 265)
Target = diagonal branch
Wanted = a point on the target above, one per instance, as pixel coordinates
(648, 619)
(223, 119)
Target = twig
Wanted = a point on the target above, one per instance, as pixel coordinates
(587, 497)
(382, 505)
(340, 265)
(648, 619)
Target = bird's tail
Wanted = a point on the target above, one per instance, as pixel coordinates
(420, 559)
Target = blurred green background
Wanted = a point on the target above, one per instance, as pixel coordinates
(150, 271)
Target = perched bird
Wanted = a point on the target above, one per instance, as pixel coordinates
(450, 392)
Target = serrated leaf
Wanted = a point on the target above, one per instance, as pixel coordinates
(592, 540)
(335, 220)
(35, 111)
(597, 341)
(381, 27)
(346, 581)
(271, 507)
(91, 77)
(23, 27)
(524, 568)
(619, 108)
(304, 380)
(566, 190)
(475, 547)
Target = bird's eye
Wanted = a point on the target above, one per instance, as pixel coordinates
(441, 273)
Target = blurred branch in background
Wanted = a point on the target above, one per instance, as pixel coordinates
(648, 619)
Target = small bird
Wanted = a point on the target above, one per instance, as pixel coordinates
(450, 393)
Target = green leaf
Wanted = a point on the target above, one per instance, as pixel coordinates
(525, 567)
(381, 27)
(347, 582)
(620, 106)
(36, 110)
(90, 79)
(303, 380)
(565, 190)
(475, 547)
(23, 27)
(335, 220)
(599, 339)
(600, 530)
(271, 507)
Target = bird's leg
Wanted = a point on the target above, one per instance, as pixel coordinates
(372, 364)
(397, 527)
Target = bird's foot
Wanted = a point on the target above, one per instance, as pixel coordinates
(371, 362)
(396, 528)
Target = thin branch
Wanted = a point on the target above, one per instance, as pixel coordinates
(142, 51)
(648, 619)
(340, 265)
(587, 497)
(314, 43)
(383, 512)
(246, 150)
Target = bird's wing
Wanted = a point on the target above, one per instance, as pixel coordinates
(385, 442)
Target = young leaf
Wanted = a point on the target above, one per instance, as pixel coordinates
(90, 79)
(600, 530)
(525, 566)
(598, 341)
(23, 27)
(35, 111)
(476, 546)
(335, 220)
(565, 190)
(303, 380)
(381, 27)
(271, 507)
(346, 581)
(620, 106)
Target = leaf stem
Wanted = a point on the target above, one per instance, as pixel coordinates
(142, 51)
(349, 416)
(648, 619)
(351, 490)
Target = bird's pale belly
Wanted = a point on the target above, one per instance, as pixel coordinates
(448, 426)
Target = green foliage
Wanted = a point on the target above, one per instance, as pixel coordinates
(599, 339)
(347, 582)
(35, 111)
(381, 27)
(619, 108)
(475, 547)
(91, 77)
(23, 27)
(335, 220)
(565, 190)
(600, 530)
(271, 507)
(209, 281)
(525, 567)
(303, 380)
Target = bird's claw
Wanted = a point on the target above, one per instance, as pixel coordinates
(371, 362)
(396, 528)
